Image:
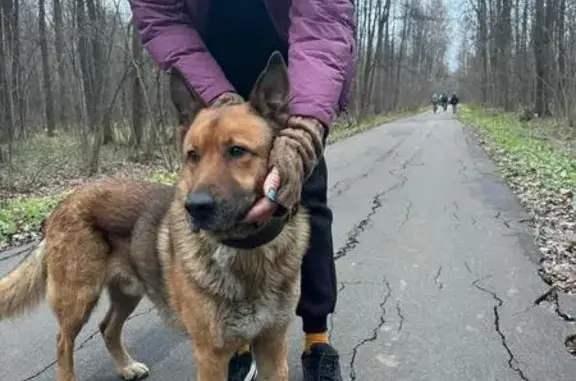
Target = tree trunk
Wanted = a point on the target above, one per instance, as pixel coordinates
(59, 46)
(6, 116)
(483, 46)
(504, 45)
(137, 104)
(539, 57)
(48, 99)
(405, 32)
(561, 88)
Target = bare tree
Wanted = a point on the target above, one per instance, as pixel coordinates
(48, 99)
(137, 103)
(79, 67)
(531, 53)
(59, 46)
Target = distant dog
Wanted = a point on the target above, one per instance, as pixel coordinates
(227, 282)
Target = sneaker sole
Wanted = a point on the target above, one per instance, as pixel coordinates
(252, 373)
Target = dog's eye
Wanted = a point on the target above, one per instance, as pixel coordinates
(193, 156)
(236, 152)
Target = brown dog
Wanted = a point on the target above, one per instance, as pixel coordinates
(225, 281)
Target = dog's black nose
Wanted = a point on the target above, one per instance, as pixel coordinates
(200, 205)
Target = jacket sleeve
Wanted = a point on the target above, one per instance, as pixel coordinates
(321, 56)
(169, 35)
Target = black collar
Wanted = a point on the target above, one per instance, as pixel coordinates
(265, 235)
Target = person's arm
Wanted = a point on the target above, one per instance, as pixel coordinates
(168, 34)
(321, 56)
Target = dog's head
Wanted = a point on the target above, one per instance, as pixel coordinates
(226, 149)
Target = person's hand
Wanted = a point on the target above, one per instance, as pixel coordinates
(294, 154)
(265, 207)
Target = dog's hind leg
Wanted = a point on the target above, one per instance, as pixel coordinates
(76, 274)
(121, 306)
(271, 352)
(72, 306)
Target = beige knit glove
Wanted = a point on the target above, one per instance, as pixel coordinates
(295, 152)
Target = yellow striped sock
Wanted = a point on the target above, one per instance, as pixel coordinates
(315, 338)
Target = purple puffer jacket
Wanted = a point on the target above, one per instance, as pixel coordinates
(321, 58)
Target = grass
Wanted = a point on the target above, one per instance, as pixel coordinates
(537, 148)
(59, 158)
(25, 214)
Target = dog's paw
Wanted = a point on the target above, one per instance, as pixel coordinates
(134, 371)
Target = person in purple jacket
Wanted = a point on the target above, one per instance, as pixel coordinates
(221, 46)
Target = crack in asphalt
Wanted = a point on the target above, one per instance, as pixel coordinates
(83, 344)
(20, 251)
(342, 186)
(462, 169)
(360, 226)
(499, 302)
(498, 216)
(467, 265)
(353, 234)
(551, 296)
(400, 316)
(374, 335)
(407, 213)
(436, 279)
(455, 217)
(341, 288)
(455, 212)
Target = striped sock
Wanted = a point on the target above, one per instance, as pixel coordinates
(315, 338)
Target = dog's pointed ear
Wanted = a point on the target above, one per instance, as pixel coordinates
(186, 101)
(271, 92)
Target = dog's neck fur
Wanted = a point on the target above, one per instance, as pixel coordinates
(233, 273)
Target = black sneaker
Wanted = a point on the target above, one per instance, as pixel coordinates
(242, 368)
(321, 364)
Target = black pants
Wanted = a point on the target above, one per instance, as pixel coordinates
(241, 38)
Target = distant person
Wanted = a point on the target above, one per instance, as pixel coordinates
(434, 102)
(454, 102)
(444, 101)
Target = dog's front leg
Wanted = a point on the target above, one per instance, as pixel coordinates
(271, 352)
(211, 362)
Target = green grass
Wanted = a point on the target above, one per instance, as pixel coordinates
(527, 149)
(25, 214)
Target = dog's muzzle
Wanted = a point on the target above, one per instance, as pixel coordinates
(201, 208)
(209, 212)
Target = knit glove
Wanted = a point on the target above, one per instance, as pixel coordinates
(295, 152)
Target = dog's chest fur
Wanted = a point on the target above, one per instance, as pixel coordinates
(244, 292)
(254, 301)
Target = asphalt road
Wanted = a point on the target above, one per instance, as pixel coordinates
(437, 276)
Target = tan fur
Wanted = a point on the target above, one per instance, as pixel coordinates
(25, 287)
(133, 239)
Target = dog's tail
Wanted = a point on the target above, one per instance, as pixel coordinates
(25, 287)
